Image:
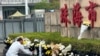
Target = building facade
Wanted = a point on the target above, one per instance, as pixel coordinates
(8, 7)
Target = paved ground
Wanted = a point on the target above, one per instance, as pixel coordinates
(1, 48)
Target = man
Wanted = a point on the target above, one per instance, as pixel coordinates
(16, 47)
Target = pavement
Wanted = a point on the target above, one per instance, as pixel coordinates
(1, 48)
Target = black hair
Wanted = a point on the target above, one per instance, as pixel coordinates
(19, 39)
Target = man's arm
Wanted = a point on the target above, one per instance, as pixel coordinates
(26, 51)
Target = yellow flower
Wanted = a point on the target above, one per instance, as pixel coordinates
(24, 42)
(45, 47)
(86, 22)
(48, 52)
(37, 45)
(8, 40)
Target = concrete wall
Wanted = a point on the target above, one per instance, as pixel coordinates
(52, 24)
(73, 31)
(83, 4)
(52, 20)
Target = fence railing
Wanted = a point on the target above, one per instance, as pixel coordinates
(20, 25)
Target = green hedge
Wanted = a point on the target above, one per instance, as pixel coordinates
(48, 6)
(84, 45)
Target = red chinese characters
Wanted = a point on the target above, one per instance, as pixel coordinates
(64, 14)
(92, 13)
(77, 15)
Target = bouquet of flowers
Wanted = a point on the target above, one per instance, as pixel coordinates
(8, 41)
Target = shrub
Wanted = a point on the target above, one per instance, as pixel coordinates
(47, 6)
(84, 45)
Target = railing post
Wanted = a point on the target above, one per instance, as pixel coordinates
(4, 29)
(22, 25)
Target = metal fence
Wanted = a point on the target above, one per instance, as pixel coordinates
(9, 26)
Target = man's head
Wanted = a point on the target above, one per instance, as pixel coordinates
(20, 40)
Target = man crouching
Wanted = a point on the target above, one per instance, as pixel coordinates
(16, 47)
